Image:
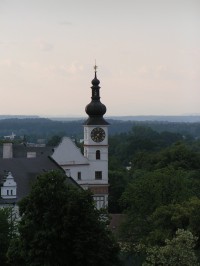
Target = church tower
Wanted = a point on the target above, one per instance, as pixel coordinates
(96, 145)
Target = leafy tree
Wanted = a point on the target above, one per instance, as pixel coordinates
(178, 251)
(4, 235)
(118, 181)
(166, 220)
(168, 138)
(8, 231)
(178, 156)
(60, 226)
(54, 141)
(118, 151)
(144, 160)
(141, 139)
(15, 254)
(150, 191)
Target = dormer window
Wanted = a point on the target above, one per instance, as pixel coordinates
(9, 188)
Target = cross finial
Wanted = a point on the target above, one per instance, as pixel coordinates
(95, 67)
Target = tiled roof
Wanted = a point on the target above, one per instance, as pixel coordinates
(20, 150)
(25, 171)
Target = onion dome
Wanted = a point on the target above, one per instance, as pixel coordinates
(95, 81)
(95, 109)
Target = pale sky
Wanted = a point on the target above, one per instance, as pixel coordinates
(147, 52)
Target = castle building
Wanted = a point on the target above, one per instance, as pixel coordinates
(20, 164)
(19, 167)
(90, 170)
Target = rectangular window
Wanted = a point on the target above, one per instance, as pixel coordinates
(99, 202)
(7, 192)
(98, 155)
(79, 175)
(98, 175)
(11, 192)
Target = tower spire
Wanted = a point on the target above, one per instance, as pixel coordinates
(95, 109)
(95, 69)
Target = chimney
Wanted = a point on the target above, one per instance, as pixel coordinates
(7, 150)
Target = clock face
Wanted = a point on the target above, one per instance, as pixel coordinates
(98, 134)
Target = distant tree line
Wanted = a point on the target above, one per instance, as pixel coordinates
(35, 128)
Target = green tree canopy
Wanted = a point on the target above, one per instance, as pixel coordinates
(54, 141)
(177, 252)
(5, 234)
(118, 181)
(178, 156)
(150, 191)
(166, 220)
(60, 226)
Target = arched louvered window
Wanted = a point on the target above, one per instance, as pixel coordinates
(98, 155)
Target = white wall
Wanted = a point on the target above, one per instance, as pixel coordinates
(9, 188)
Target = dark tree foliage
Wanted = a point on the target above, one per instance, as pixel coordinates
(54, 141)
(177, 251)
(167, 219)
(36, 128)
(179, 156)
(157, 189)
(150, 191)
(5, 235)
(146, 150)
(118, 181)
(141, 139)
(59, 226)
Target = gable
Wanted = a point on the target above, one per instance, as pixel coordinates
(67, 153)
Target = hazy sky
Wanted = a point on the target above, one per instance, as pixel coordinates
(147, 52)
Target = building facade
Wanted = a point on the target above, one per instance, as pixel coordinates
(91, 169)
(19, 167)
(20, 164)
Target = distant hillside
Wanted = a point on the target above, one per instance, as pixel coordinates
(35, 128)
(183, 118)
(188, 118)
(39, 128)
(17, 116)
